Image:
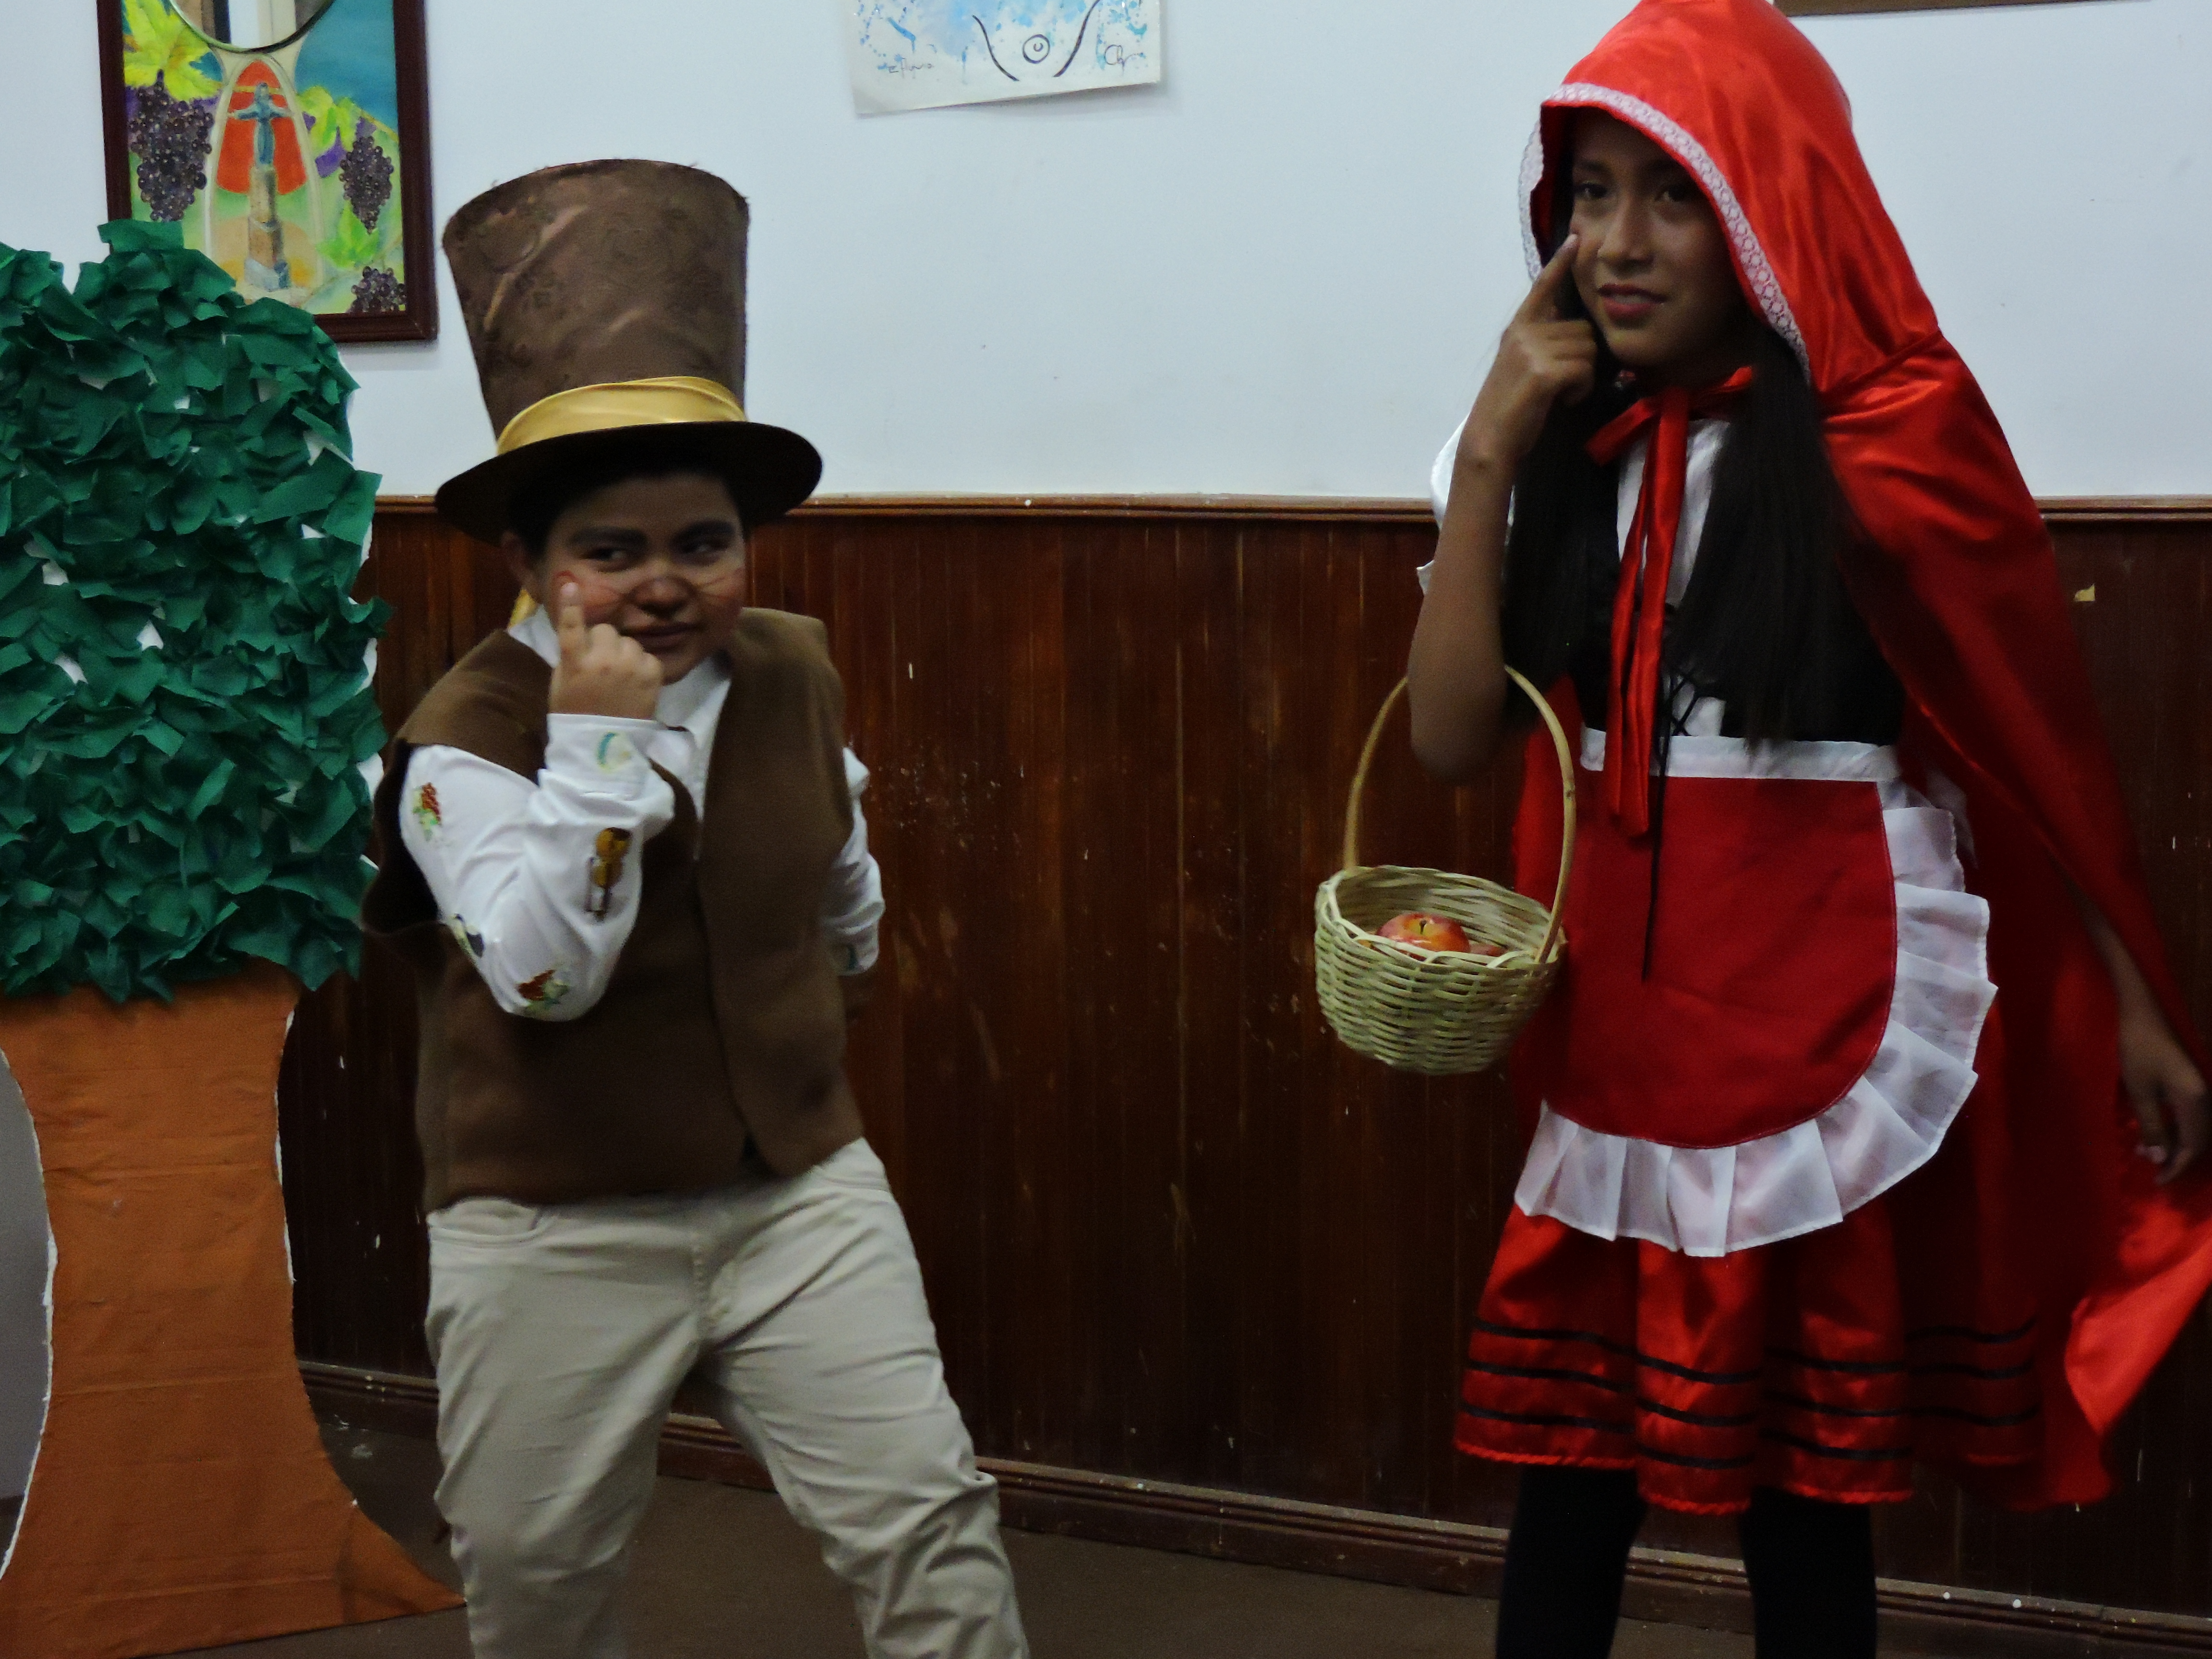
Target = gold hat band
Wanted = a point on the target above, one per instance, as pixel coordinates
(617, 404)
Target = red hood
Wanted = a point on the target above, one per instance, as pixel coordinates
(1957, 579)
(1736, 94)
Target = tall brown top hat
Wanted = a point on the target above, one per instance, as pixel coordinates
(605, 302)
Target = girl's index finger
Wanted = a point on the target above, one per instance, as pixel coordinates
(1542, 304)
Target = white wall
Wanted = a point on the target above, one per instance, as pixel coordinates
(1280, 272)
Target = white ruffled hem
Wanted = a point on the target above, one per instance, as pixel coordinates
(1713, 1201)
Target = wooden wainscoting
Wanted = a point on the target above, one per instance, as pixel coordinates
(1177, 1240)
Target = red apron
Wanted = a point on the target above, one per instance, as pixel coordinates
(1772, 952)
(1742, 1148)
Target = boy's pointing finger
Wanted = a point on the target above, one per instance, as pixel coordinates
(568, 616)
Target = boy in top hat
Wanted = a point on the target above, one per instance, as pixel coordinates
(623, 851)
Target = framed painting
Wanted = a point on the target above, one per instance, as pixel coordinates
(289, 141)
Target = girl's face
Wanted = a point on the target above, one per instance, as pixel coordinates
(662, 560)
(1654, 270)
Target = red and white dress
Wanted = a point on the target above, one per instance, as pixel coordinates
(1700, 1279)
(1806, 1200)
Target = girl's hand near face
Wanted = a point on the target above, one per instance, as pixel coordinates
(601, 671)
(1545, 355)
(1457, 668)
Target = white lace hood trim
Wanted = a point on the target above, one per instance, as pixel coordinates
(1715, 1201)
(1671, 137)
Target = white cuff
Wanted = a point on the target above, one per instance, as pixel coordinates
(598, 756)
(1440, 472)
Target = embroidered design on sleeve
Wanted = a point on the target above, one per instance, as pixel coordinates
(614, 752)
(426, 810)
(472, 944)
(543, 991)
(611, 847)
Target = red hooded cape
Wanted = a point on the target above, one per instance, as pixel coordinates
(1957, 582)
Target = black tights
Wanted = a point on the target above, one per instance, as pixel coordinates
(1811, 1566)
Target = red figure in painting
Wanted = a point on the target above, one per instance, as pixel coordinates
(235, 164)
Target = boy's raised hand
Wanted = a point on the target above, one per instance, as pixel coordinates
(1544, 355)
(601, 671)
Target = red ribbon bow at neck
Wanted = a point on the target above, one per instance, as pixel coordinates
(1647, 561)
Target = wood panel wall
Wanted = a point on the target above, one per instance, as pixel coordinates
(1171, 1230)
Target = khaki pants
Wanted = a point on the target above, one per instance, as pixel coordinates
(560, 1333)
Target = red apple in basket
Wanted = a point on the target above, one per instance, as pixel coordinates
(1430, 933)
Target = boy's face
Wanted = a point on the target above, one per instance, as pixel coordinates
(661, 560)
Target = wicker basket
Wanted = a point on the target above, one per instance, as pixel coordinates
(1438, 1012)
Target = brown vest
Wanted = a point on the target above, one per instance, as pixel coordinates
(724, 1014)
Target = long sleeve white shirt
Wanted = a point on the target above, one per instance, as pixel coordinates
(510, 862)
(1698, 716)
(1707, 438)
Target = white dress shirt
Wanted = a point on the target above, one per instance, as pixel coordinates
(1707, 437)
(510, 861)
(1696, 716)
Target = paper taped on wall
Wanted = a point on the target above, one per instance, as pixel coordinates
(923, 54)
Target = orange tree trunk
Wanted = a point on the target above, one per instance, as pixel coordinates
(181, 1498)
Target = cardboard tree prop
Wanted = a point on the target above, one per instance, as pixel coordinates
(184, 707)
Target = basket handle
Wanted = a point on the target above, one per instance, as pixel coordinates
(1566, 795)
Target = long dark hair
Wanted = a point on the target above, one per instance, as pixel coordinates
(1766, 622)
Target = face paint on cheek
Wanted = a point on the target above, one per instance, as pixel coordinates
(599, 598)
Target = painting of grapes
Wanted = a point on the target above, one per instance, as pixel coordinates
(285, 140)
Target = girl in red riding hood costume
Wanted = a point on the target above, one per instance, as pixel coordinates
(1830, 1166)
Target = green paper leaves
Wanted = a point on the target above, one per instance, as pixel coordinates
(183, 704)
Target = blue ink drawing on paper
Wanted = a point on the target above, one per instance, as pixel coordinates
(922, 54)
